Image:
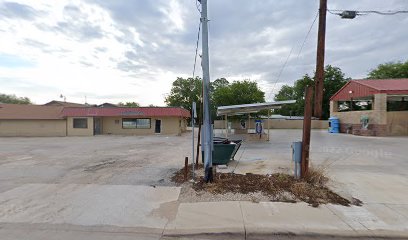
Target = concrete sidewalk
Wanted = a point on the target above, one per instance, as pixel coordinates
(58, 211)
(247, 220)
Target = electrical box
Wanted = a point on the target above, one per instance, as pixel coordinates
(297, 152)
(348, 14)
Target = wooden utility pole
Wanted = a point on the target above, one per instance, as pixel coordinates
(319, 78)
(307, 122)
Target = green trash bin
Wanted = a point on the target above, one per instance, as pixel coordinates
(224, 151)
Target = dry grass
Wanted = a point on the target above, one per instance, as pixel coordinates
(278, 187)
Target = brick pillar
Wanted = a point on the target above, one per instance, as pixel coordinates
(334, 106)
(380, 108)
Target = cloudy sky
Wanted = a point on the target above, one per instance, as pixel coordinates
(132, 50)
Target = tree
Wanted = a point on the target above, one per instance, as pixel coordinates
(390, 70)
(13, 99)
(129, 104)
(184, 92)
(237, 92)
(293, 93)
(334, 79)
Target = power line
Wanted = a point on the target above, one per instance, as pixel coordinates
(197, 6)
(196, 50)
(307, 35)
(290, 53)
(350, 14)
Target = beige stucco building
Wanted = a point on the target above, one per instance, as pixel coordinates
(36, 120)
(372, 107)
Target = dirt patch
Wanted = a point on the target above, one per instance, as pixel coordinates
(279, 187)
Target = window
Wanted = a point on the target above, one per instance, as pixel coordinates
(136, 123)
(80, 123)
(355, 105)
(397, 103)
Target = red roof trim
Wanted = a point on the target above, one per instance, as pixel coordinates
(126, 112)
(368, 87)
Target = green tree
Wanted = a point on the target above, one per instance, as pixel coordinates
(238, 92)
(334, 79)
(235, 93)
(13, 99)
(184, 92)
(390, 70)
(295, 92)
(129, 104)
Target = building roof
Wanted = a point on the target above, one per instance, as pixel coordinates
(65, 104)
(26, 112)
(107, 105)
(250, 108)
(126, 112)
(367, 87)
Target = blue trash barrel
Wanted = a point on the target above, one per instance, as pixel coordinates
(334, 125)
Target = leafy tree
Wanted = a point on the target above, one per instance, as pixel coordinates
(238, 92)
(235, 93)
(129, 104)
(220, 82)
(334, 79)
(183, 92)
(13, 99)
(390, 70)
(297, 93)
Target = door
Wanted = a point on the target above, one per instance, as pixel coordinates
(157, 128)
(97, 126)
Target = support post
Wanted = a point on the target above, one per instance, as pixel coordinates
(207, 130)
(185, 168)
(249, 122)
(319, 78)
(307, 122)
(193, 116)
(226, 125)
(198, 142)
(269, 114)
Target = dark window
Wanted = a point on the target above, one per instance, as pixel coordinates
(80, 123)
(130, 123)
(116, 121)
(355, 105)
(397, 106)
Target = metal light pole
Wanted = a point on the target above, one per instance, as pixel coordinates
(207, 130)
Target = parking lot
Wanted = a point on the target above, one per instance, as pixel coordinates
(111, 160)
(353, 162)
(116, 182)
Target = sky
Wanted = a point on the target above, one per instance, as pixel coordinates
(132, 50)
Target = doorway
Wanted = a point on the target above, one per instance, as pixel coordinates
(157, 128)
(97, 126)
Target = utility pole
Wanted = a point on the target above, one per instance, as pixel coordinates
(207, 130)
(319, 78)
(307, 121)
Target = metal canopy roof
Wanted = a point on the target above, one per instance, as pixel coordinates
(250, 108)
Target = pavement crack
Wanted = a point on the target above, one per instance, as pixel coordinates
(243, 221)
(354, 230)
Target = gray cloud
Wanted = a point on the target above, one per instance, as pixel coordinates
(247, 38)
(17, 10)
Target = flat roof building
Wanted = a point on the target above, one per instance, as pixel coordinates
(40, 120)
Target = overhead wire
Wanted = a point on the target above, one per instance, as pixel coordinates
(290, 53)
(196, 50)
(360, 12)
